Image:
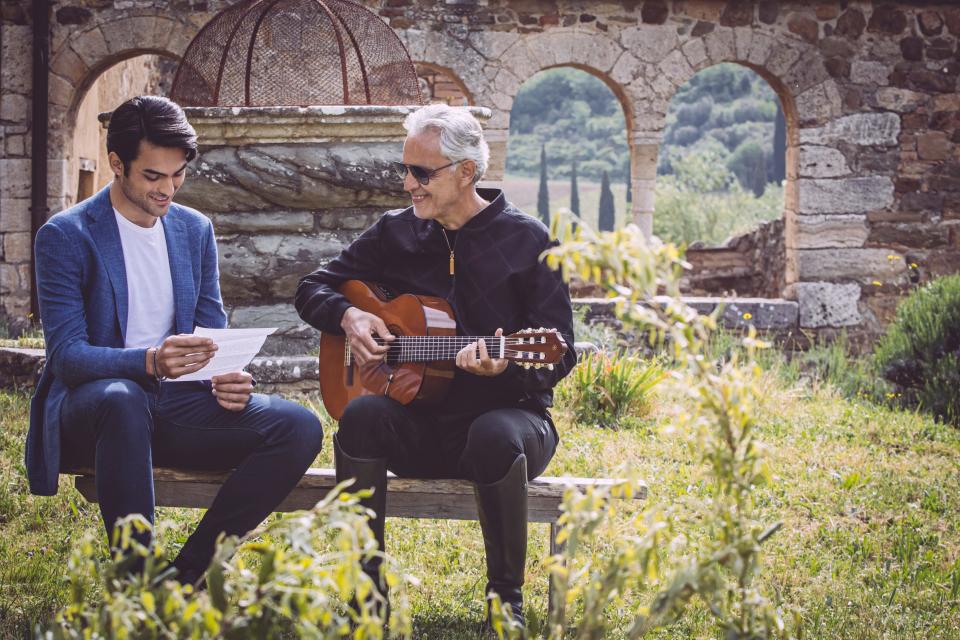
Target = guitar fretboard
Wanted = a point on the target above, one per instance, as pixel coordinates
(434, 348)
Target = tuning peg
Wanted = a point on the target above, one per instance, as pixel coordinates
(526, 365)
(537, 366)
(549, 367)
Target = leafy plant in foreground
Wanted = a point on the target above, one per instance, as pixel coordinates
(658, 550)
(293, 576)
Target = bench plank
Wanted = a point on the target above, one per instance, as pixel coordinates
(406, 497)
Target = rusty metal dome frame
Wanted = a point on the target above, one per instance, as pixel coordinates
(373, 62)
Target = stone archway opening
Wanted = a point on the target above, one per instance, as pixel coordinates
(726, 180)
(568, 147)
(440, 84)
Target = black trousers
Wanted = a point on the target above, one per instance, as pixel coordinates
(420, 442)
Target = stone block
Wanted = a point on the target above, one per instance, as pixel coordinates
(817, 104)
(934, 145)
(14, 214)
(14, 107)
(720, 45)
(909, 235)
(822, 162)
(784, 55)
(91, 47)
(265, 268)
(17, 56)
(844, 195)
(869, 72)
(742, 40)
(127, 33)
(650, 43)
(696, 53)
(16, 178)
(16, 145)
(507, 83)
(9, 279)
(61, 90)
(865, 129)
(831, 231)
(627, 69)
(930, 22)
(706, 10)
(825, 304)
(67, 64)
(16, 247)
(899, 100)
(598, 52)
(761, 47)
(264, 221)
(347, 219)
(520, 60)
(676, 68)
(806, 73)
(492, 44)
(866, 266)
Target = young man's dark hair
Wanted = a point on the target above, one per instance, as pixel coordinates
(157, 120)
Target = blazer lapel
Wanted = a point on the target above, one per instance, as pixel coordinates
(181, 271)
(106, 236)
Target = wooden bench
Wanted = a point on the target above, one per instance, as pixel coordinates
(406, 497)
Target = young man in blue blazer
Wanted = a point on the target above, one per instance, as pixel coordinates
(123, 278)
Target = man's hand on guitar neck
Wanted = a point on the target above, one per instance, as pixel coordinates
(360, 327)
(474, 359)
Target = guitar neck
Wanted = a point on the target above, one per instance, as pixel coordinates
(435, 348)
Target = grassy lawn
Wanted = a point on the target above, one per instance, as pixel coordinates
(869, 497)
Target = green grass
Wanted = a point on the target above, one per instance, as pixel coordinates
(869, 497)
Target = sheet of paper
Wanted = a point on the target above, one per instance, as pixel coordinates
(237, 347)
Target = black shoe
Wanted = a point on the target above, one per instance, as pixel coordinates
(368, 473)
(502, 507)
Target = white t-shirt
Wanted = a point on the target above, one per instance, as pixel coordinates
(149, 285)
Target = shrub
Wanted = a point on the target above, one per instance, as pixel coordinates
(920, 353)
(610, 390)
(291, 580)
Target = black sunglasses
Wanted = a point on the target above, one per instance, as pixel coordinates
(420, 174)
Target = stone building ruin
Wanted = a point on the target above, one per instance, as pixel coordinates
(869, 90)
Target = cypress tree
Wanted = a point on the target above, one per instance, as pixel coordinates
(543, 196)
(607, 214)
(574, 191)
(779, 147)
(629, 185)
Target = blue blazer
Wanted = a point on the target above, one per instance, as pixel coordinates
(82, 290)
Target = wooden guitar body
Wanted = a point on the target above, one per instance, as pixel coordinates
(342, 379)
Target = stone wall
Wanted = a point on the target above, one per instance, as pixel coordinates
(869, 92)
(751, 265)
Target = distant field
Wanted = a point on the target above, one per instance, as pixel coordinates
(522, 191)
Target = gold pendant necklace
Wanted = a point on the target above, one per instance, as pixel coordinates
(447, 240)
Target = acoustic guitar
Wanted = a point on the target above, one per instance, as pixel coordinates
(419, 365)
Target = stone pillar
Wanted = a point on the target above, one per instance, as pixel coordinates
(644, 147)
(287, 189)
(497, 140)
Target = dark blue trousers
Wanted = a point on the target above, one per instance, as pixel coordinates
(124, 428)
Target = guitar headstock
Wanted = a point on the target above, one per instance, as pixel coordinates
(535, 347)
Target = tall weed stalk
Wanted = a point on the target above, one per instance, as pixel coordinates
(705, 549)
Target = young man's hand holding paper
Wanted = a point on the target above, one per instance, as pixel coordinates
(236, 348)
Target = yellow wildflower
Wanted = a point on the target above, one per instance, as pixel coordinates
(747, 315)
(876, 283)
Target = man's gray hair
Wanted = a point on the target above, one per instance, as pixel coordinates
(461, 137)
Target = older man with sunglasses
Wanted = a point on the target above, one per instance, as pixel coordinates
(483, 255)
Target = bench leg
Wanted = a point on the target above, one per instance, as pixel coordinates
(555, 548)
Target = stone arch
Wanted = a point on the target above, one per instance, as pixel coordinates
(81, 58)
(449, 75)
